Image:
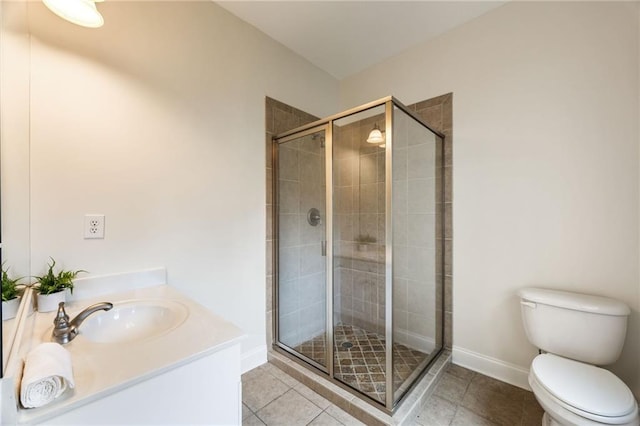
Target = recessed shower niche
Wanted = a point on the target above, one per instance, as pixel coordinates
(358, 244)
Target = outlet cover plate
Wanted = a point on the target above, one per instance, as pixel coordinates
(93, 226)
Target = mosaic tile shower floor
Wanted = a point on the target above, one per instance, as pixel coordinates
(360, 359)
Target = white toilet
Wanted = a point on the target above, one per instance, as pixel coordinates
(577, 332)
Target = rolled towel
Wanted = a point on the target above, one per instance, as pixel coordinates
(47, 375)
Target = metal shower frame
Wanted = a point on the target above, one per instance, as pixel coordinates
(326, 125)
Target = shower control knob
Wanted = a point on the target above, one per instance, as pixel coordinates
(313, 217)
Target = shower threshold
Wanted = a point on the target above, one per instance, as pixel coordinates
(352, 401)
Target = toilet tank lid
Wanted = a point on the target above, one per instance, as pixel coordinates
(575, 301)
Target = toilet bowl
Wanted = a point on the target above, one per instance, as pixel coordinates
(575, 393)
(577, 332)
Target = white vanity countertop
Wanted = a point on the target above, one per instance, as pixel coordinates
(101, 369)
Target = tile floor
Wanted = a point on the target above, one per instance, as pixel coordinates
(463, 397)
(271, 397)
(360, 359)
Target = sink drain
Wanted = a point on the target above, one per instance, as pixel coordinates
(347, 345)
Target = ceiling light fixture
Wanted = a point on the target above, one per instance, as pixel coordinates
(375, 136)
(80, 12)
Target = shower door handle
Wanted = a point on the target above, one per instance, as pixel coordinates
(323, 247)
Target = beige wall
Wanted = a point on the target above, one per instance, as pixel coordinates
(157, 121)
(637, 322)
(14, 137)
(546, 163)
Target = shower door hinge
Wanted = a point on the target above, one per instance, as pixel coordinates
(323, 244)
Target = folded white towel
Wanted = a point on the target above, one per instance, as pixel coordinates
(47, 374)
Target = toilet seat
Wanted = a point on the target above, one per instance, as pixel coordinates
(587, 391)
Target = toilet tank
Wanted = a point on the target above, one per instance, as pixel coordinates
(583, 327)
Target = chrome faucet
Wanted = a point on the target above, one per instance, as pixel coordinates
(64, 330)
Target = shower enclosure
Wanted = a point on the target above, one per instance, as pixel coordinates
(358, 270)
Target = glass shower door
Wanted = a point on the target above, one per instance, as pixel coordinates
(359, 247)
(416, 224)
(301, 245)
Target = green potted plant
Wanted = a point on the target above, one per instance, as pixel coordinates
(52, 288)
(10, 295)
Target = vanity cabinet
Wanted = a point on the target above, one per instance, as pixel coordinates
(203, 392)
(186, 371)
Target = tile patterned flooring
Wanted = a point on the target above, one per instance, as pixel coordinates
(360, 359)
(271, 397)
(461, 398)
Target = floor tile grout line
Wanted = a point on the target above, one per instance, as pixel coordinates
(322, 410)
(265, 371)
(294, 388)
(454, 415)
(260, 418)
(328, 414)
(255, 413)
(473, 376)
(276, 377)
(319, 414)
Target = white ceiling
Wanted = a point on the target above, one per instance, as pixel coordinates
(345, 37)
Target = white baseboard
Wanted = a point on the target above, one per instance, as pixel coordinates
(254, 358)
(501, 370)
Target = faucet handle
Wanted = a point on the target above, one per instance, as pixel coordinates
(64, 330)
(62, 319)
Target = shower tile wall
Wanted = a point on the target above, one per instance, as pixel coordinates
(301, 263)
(414, 231)
(280, 117)
(359, 270)
(437, 112)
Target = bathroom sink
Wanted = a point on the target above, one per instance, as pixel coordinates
(133, 320)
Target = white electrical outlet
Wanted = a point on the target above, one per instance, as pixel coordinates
(93, 226)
